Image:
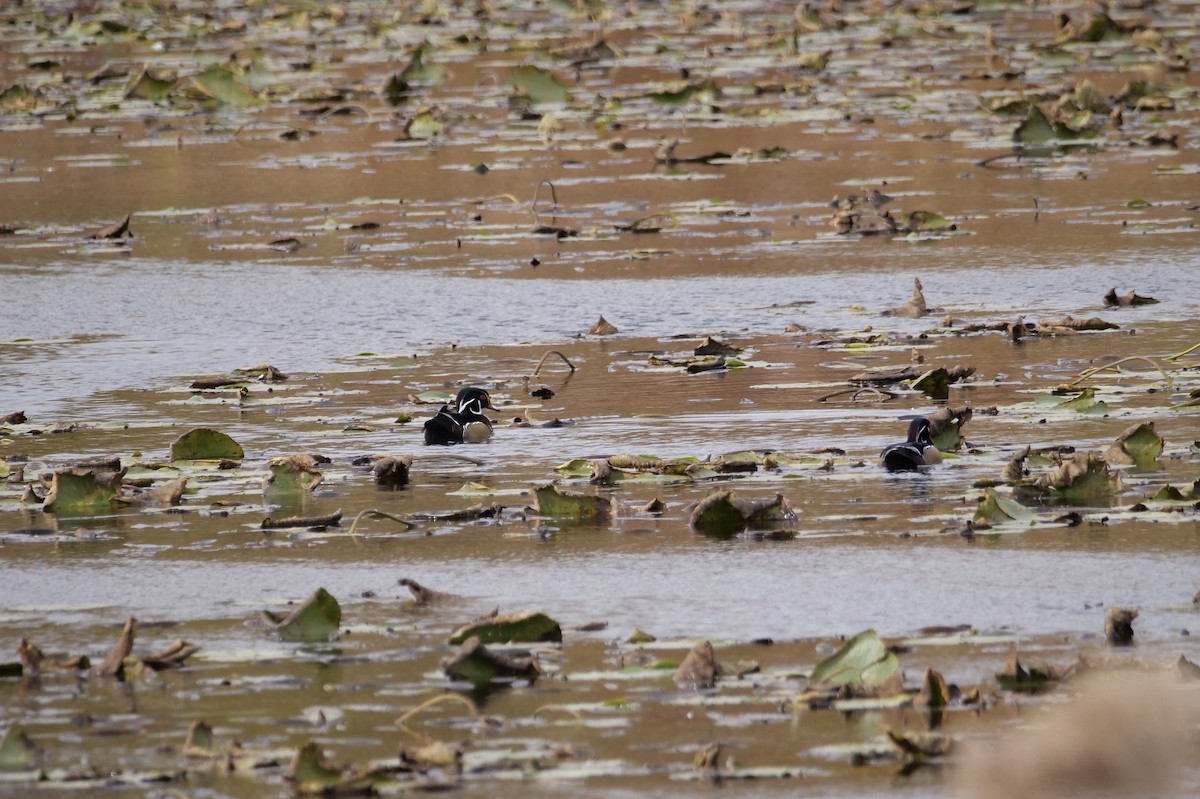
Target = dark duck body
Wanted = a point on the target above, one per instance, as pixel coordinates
(916, 452)
(462, 421)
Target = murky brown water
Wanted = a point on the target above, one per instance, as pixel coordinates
(102, 340)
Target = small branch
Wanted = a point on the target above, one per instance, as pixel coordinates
(302, 521)
(1086, 373)
(428, 703)
(547, 354)
(354, 525)
(553, 200)
(878, 394)
(447, 456)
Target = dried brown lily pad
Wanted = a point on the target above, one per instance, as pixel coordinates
(1084, 476)
(915, 307)
(1114, 300)
(390, 471)
(528, 627)
(934, 692)
(113, 664)
(699, 669)
(602, 328)
(1069, 324)
(1118, 626)
(117, 230)
(423, 595)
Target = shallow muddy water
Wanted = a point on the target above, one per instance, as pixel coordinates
(371, 265)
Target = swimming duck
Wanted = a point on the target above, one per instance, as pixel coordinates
(914, 453)
(463, 421)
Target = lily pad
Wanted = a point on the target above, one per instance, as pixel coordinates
(571, 505)
(1085, 476)
(529, 627)
(864, 660)
(226, 87)
(538, 84)
(293, 475)
(83, 490)
(721, 513)
(1137, 445)
(315, 619)
(204, 443)
(475, 664)
(997, 509)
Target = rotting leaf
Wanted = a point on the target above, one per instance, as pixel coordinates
(117, 230)
(529, 627)
(203, 443)
(475, 664)
(602, 328)
(147, 86)
(1118, 626)
(863, 660)
(425, 124)
(946, 423)
(199, 741)
(915, 307)
(571, 505)
(1084, 402)
(1114, 300)
(1137, 445)
(423, 595)
(934, 693)
(292, 475)
(1085, 476)
(311, 775)
(1017, 678)
(316, 619)
(113, 664)
(699, 668)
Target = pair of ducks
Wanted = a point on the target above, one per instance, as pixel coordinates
(464, 422)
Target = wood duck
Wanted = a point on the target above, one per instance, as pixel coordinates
(463, 421)
(914, 453)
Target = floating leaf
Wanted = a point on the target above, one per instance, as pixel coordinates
(204, 443)
(934, 692)
(997, 509)
(475, 664)
(311, 775)
(83, 490)
(699, 669)
(864, 660)
(316, 619)
(1038, 129)
(928, 220)
(148, 87)
(17, 751)
(1118, 625)
(1114, 300)
(292, 475)
(1084, 402)
(1085, 476)
(571, 505)
(226, 87)
(1137, 445)
(530, 627)
(602, 328)
(538, 84)
(705, 91)
(427, 123)
(721, 513)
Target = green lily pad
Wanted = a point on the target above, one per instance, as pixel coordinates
(292, 475)
(530, 627)
(83, 490)
(1084, 402)
(1086, 476)
(997, 509)
(1038, 129)
(721, 513)
(1137, 445)
(538, 84)
(311, 775)
(571, 505)
(315, 619)
(226, 87)
(426, 124)
(475, 664)
(17, 751)
(705, 91)
(204, 443)
(927, 220)
(864, 660)
(148, 87)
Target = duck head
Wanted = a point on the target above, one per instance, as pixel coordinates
(473, 400)
(920, 432)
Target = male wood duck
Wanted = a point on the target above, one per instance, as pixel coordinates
(914, 453)
(463, 421)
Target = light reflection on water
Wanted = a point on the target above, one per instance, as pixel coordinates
(138, 322)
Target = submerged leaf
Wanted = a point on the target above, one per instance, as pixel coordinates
(315, 619)
(203, 443)
(530, 627)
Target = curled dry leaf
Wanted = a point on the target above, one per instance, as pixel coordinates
(602, 328)
(113, 664)
(293, 474)
(390, 471)
(699, 669)
(117, 230)
(1114, 300)
(1118, 626)
(1085, 475)
(934, 692)
(423, 595)
(915, 307)
(1014, 470)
